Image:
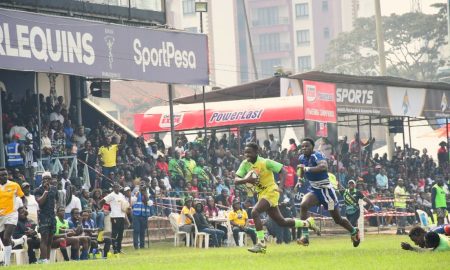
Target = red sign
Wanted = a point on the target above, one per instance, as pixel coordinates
(221, 114)
(319, 101)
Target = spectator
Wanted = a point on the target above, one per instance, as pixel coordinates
(108, 156)
(400, 196)
(32, 205)
(382, 180)
(438, 200)
(141, 211)
(186, 216)
(26, 231)
(47, 197)
(117, 202)
(239, 222)
(203, 226)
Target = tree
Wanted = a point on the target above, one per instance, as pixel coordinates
(413, 46)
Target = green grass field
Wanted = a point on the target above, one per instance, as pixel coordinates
(376, 252)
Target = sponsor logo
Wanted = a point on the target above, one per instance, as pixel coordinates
(235, 116)
(444, 102)
(164, 121)
(165, 56)
(45, 44)
(405, 104)
(311, 93)
(356, 96)
(109, 40)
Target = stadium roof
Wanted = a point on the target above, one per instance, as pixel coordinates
(270, 87)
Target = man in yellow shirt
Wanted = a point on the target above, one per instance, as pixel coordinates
(8, 211)
(239, 221)
(258, 172)
(108, 156)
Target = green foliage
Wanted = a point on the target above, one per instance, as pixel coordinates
(414, 43)
(376, 252)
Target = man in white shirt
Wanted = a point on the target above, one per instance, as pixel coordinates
(382, 180)
(274, 144)
(32, 205)
(118, 203)
(56, 115)
(75, 202)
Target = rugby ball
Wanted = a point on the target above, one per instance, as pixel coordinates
(252, 174)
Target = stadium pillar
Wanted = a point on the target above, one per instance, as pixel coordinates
(2, 152)
(36, 79)
(360, 146)
(172, 126)
(382, 62)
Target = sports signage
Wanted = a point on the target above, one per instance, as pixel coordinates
(43, 43)
(361, 99)
(319, 101)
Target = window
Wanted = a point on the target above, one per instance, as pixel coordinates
(267, 16)
(269, 66)
(269, 42)
(302, 37)
(188, 7)
(304, 63)
(326, 32)
(325, 5)
(191, 29)
(301, 11)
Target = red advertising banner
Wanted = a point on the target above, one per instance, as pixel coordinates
(319, 101)
(221, 114)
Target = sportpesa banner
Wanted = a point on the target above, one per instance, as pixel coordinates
(43, 43)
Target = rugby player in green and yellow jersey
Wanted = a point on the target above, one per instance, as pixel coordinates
(258, 172)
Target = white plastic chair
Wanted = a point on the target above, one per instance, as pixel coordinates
(423, 218)
(173, 218)
(200, 237)
(20, 255)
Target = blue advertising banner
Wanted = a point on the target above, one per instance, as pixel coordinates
(43, 43)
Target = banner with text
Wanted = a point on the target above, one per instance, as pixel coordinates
(319, 101)
(44, 43)
(437, 104)
(361, 99)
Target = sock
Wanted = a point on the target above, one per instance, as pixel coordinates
(7, 254)
(74, 254)
(65, 254)
(305, 232)
(300, 223)
(84, 255)
(260, 236)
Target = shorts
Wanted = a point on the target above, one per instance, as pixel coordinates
(326, 196)
(47, 224)
(9, 219)
(271, 195)
(440, 212)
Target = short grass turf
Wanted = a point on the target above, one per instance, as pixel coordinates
(376, 252)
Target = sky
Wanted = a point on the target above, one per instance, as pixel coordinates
(367, 7)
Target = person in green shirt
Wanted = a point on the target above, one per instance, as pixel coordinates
(177, 168)
(189, 165)
(438, 200)
(203, 173)
(427, 241)
(65, 237)
(257, 172)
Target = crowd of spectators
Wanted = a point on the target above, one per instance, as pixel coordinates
(159, 179)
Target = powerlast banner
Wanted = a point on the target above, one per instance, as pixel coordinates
(43, 43)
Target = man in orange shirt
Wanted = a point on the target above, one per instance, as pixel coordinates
(8, 211)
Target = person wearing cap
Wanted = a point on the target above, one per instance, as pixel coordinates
(141, 210)
(9, 191)
(47, 197)
(116, 199)
(32, 205)
(239, 222)
(351, 199)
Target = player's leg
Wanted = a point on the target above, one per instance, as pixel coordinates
(261, 206)
(308, 201)
(7, 234)
(275, 214)
(331, 203)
